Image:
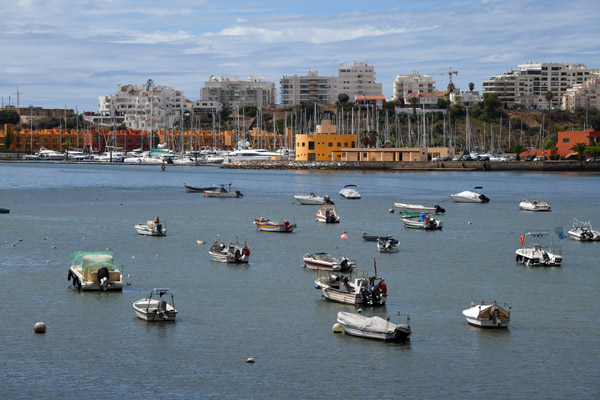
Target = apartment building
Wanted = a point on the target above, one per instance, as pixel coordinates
(141, 107)
(584, 95)
(357, 79)
(530, 83)
(415, 82)
(253, 91)
(312, 87)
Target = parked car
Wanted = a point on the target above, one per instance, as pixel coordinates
(457, 158)
(540, 158)
(436, 159)
(446, 158)
(593, 159)
(530, 157)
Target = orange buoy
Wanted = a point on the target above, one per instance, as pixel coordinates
(522, 239)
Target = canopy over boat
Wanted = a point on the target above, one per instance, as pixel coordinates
(94, 260)
(375, 323)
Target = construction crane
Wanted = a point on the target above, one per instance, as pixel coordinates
(450, 72)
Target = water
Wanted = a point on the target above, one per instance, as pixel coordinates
(269, 310)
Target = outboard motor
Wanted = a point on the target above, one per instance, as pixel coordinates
(344, 265)
(364, 292)
(484, 198)
(439, 209)
(103, 278)
(237, 255)
(239, 193)
(496, 317)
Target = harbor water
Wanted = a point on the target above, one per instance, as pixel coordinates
(269, 310)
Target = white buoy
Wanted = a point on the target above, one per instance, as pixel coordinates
(250, 360)
(391, 210)
(469, 222)
(132, 257)
(83, 238)
(199, 242)
(359, 310)
(337, 328)
(53, 247)
(157, 256)
(39, 327)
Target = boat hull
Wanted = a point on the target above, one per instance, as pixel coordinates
(309, 200)
(270, 226)
(534, 205)
(143, 229)
(324, 261)
(150, 310)
(584, 235)
(425, 225)
(82, 284)
(537, 258)
(487, 323)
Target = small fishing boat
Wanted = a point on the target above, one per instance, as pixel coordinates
(95, 271)
(349, 192)
(538, 249)
(267, 225)
(153, 309)
(417, 208)
(534, 205)
(328, 262)
(152, 228)
(373, 327)
(373, 238)
(328, 213)
(583, 231)
(192, 189)
(309, 199)
(387, 245)
(234, 253)
(487, 315)
(4, 210)
(470, 197)
(347, 288)
(422, 221)
(224, 193)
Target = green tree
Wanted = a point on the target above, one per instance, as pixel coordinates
(518, 148)
(549, 145)
(549, 95)
(595, 122)
(343, 98)
(491, 107)
(9, 117)
(443, 103)
(592, 151)
(451, 87)
(471, 86)
(8, 139)
(579, 148)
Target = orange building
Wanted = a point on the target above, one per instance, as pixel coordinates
(567, 139)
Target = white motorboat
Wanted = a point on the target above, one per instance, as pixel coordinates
(233, 253)
(417, 208)
(374, 238)
(309, 199)
(223, 193)
(538, 249)
(488, 315)
(152, 228)
(250, 154)
(195, 189)
(387, 245)
(349, 192)
(373, 327)
(45, 154)
(155, 309)
(583, 231)
(349, 289)
(95, 271)
(267, 225)
(326, 261)
(328, 213)
(470, 197)
(534, 205)
(422, 221)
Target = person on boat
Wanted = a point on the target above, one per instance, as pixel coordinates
(158, 224)
(382, 287)
(162, 167)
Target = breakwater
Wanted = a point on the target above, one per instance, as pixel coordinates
(547, 166)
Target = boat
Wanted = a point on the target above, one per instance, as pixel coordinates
(385, 245)
(328, 262)
(328, 213)
(233, 253)
(45, 154)
(417, 208)
(4, 210)
(267, 225)
(153, 309)
(583, 231)
(470, 197)
(349, 192)
(192, 189)
(250, 154)
(223, 193)
(487, 315)
(95, 271)
(373, 238)
(347, 288)
(373, 327)
(538, 249)
(422, 221)
(534, 205)
(309, 199)
(152, 228)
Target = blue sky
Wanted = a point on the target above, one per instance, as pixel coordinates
(67, 53)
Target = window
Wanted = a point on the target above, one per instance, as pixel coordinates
(339, 144)
(565, 140)
(311, 145)
(345, 144)
(330, 144)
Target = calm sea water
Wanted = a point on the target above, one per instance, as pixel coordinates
(96, 347)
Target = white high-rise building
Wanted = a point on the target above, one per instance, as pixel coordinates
(530, 83)
(253, 91)
(312, 87)
(142, 106)
(357, 79)
(582, 95)
(414, 82)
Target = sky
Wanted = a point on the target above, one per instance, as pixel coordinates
(67, 53)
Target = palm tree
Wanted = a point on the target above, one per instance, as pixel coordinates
(549, 95)
(579, 148)
(518, 148)
(471, 86)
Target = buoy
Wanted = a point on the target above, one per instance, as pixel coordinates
(250, 360)
(132, 257)
(39, 327)
(157, 256)
(83, 238)
(47, 261)
(46, 238)
(337, 328)
(204, 195)
(53, 247)
(469, 222)
(120, 204)
(199, 242)
(359, 310)
(344, 236)
(391, 210)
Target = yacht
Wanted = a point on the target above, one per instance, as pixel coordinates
(250, 154)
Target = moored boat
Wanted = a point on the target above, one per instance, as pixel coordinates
(153, 309)
(373, 327)
(538, 249)
(373, 238)
(347, 288)
(422, 221)
(95, 271)
(328, 213)
(224, 193)
(583, 231)
(326, 261)
(267, 225)
(417, 208)
(387, 245)
(349, 192)
(534, 205)
(233, 253)
(309, 199)
(152, 228)
(470, 197)
(486, 315)
(193, 189)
